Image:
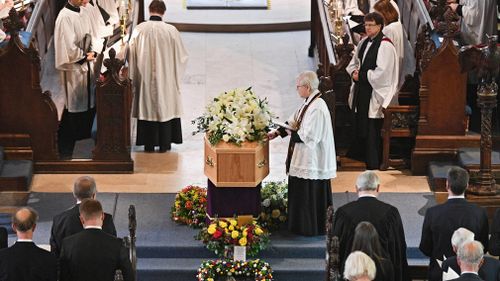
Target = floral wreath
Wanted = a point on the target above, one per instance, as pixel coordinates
(222, 233)
(190, 206)
(210, 270)
(235, 116)
(274, 205)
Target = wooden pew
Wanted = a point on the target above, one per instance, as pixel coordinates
(29, 119)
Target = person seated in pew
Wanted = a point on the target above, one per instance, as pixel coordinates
(25, 261)
(68, 222)
(489, 269)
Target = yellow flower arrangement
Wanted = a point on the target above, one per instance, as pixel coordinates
(222, 233)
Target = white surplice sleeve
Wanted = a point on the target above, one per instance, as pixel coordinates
(384, 78)
(67, 48)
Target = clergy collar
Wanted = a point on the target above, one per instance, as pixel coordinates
(378, 37)
(72, 8)
(155, 18)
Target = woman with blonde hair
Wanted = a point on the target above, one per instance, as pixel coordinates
(359, 267)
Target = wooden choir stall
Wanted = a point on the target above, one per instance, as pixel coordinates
(29, 120)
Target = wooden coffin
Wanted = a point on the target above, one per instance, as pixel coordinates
(230, 165)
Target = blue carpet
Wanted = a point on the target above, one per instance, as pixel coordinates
(168, 251)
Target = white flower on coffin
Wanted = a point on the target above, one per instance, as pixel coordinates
(235, 116)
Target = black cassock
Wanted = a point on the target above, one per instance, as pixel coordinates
(385, 218)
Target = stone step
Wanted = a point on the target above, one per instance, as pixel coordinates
(184, 269)
(16, 175)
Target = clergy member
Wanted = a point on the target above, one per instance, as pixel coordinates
(375, 73)
(74, 58)
(478, 19)
(311, 161)
(98, 22)
(384, 217)
(157, 61)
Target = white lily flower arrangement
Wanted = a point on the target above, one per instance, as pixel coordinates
(235, 116)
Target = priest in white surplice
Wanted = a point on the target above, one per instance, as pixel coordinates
(157, 61)
(374, 71)
(311, 160)
(74, 57)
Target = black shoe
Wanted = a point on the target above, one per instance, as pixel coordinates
(164, 149)
(149, 148)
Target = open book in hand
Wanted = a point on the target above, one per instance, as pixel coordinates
(284, 125)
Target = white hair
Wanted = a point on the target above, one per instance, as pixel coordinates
(461, 236)
(471, 253)
(367, 180)
(359, 264)
(309, 79)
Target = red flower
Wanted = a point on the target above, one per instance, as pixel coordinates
(189, 205)
(217, 234)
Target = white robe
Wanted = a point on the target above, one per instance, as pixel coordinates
(157, 62)
(406, 59)
(383, 79)
(478, 19)
(97, 25)
(351, 6)
(69, 32)
(111, 7)
(315, 157)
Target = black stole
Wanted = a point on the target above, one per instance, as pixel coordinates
(363, 89)
(291, 144)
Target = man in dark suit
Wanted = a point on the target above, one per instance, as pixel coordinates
(470, 257)
(383, 216)
(68, 222)
(93, 254)
(442, 220)
(25, 261)
(489, 269)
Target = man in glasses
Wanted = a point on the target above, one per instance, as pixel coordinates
(374, 70)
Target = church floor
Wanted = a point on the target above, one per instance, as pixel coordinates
(269, 62)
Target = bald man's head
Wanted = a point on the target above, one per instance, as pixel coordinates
(24, 219)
